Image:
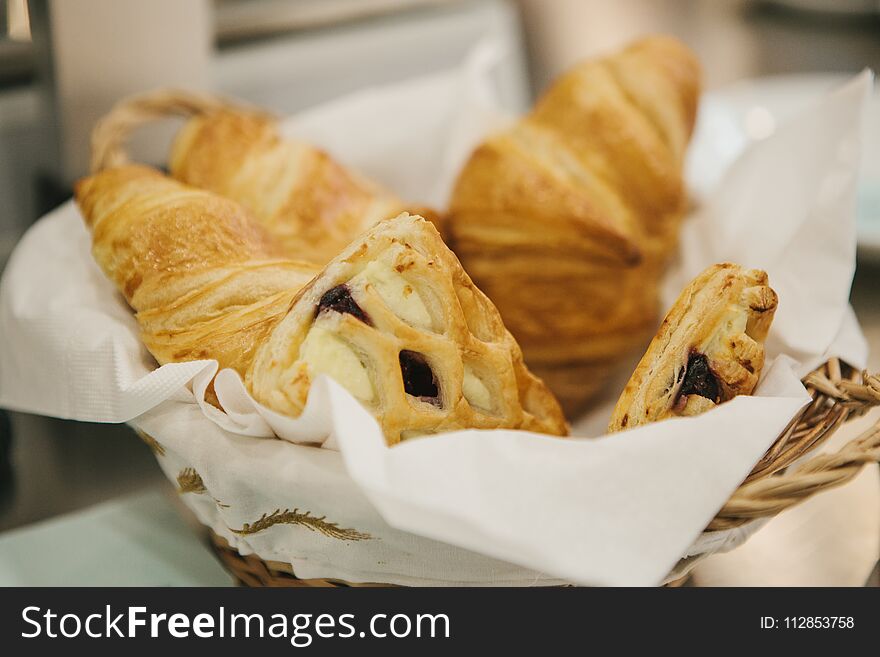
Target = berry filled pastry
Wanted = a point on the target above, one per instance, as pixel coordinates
(708, 350)
(396, 320)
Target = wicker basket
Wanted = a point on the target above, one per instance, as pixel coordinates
(775, 484)
(789, 472)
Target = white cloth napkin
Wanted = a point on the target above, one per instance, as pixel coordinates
(461, 507)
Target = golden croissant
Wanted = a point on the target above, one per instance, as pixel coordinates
(567, 219)
(393, 318)
(309, 203)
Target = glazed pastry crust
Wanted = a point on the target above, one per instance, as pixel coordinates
(310, 204)
(708, 350)
(568, 218)
(204, 278)
(420, 301)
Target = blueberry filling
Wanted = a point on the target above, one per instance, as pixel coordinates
(339, 299)
(699, 379)
(418, 377)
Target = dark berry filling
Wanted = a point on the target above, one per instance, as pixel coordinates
(699, 379)
(418, 377)
(339, 299)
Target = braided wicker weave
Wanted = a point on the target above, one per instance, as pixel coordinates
(839, 394)
(790, 472)
(112, 131)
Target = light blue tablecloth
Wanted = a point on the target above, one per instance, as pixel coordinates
(138, 540)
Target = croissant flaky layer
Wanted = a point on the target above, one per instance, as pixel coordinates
(205, 279)
(311, 204)
(393, 318)
(567, 219)
(708, 350)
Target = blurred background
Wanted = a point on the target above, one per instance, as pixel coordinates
(63, 64)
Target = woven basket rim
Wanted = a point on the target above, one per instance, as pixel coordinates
(785, 476)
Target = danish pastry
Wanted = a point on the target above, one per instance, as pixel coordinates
(567, 219)
(708, 350)
(393, 318)
(311, 204)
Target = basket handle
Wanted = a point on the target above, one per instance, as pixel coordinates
(111, 133)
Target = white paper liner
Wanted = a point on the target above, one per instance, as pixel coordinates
(462, 507)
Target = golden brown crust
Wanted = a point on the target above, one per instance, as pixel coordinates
(311, 204)
(567, 219)
(460, 334)
(204, 278)
(708, 349)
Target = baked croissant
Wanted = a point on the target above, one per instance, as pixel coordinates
(393, 318)
(708, 350)
(567, 219)
(204, 278)
(310, 204)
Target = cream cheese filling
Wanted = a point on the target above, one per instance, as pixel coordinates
(327, 354)
(397, 293)
(475, 391)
